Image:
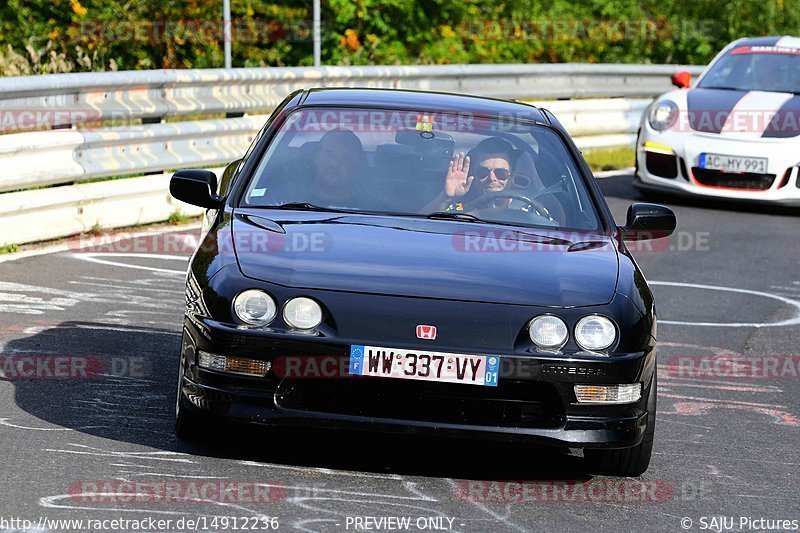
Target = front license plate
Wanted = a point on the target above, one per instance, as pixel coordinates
(734, 163)
(428, 366)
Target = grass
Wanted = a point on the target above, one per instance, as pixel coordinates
(8, 249)
(176, 217)
(609, 158)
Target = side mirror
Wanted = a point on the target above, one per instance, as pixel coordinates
(196, 187)
(227, 177)
(682, 79)
(648, 221)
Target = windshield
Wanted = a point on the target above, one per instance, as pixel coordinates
(756, 68)
(422, 164)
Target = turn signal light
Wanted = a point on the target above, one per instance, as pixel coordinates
(628, 393)
(234, 365)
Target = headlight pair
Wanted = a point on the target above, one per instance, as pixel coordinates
(663, 115)
(257, 308)
(593, 333)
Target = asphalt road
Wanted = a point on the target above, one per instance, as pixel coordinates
(726, 443)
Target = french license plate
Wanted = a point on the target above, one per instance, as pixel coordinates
(424, 365)
(734, 163)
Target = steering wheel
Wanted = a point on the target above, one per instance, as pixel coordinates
(535, 206)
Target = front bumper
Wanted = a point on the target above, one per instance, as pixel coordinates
(679, 173)
(534, 401)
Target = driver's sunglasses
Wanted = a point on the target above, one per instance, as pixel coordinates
(502, 174)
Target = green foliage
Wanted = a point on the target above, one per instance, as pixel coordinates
(176, 217)
(609, 158)
(42, 36)
(8, 249)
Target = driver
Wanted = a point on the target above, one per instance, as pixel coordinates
(486, 169)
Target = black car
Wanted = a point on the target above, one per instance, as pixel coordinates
(426, 263)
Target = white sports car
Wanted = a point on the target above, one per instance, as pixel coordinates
(736, 134)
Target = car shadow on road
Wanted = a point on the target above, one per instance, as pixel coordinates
(119, 383)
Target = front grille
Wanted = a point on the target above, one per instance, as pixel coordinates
(510, 404)
(746, 180)
(662, 165)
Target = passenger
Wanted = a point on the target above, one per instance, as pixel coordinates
(335, 175)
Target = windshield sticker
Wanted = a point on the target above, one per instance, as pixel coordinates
(766, 50)
(425, 123)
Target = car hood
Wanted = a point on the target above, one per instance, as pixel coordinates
(406, 256)
(738, 114)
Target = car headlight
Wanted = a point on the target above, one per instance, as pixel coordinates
(548, 332)
(254, 307)
(302, 313)
(663, 115)
(594, 333)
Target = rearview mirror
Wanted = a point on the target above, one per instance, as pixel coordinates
(426, 142)
(196, 187)
(648, 221)
(682, 79)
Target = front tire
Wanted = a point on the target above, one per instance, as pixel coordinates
(627, 462)
(190, 426)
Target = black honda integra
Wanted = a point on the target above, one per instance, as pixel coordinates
(426, 263)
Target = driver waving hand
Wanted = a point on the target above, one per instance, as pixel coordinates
(488, 169)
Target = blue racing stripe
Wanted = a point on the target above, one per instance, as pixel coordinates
(786, 122)
(708, 109)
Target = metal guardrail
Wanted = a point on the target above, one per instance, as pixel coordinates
(97, 125)
(174, 93)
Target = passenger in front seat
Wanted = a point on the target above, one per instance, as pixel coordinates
(334, 182)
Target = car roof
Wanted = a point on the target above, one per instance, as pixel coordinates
(422, 101)
(788, 40)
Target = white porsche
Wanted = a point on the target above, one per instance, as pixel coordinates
(735, 134)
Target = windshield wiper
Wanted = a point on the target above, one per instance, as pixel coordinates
(305, 206)
(720, 88)
(454, 215)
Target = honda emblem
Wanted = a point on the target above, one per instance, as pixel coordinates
(426, 332)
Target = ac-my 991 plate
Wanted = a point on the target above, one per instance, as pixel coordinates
(424, 365)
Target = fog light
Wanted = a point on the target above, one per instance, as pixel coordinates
(235, 365)
(595, 333)
(628, 393)
(302, 313)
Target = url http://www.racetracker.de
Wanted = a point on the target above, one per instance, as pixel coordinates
(201, 523)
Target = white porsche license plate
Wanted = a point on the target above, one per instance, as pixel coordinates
(734, 163)
(424, 365)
